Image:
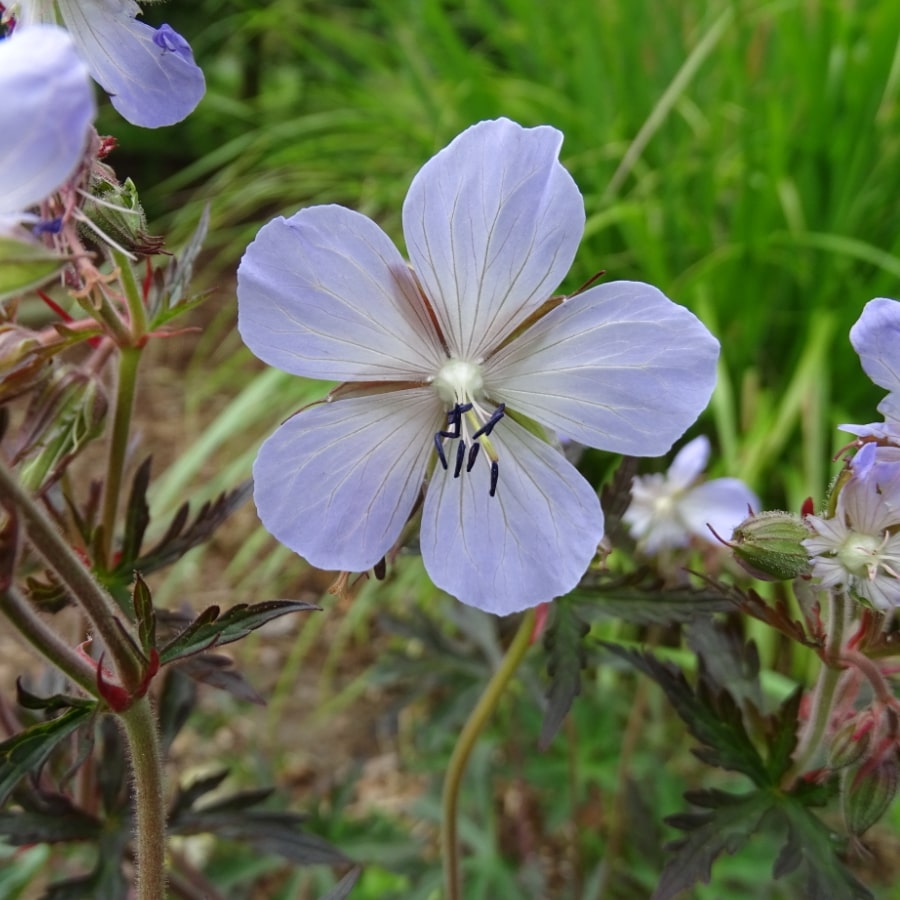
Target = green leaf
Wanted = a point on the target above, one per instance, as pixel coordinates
(208, 629)
(342, 889)
(58, 826)
(642, 598)
(564, 642)
(711, 715)
(27, 700)
(144, 614)
(24, 265)
(725, 828)
(811, 848)
(28, 750)
(137, 514)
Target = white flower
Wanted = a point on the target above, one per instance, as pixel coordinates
(858, 549)
(666, 511)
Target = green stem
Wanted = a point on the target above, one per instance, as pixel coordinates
(46, 641)
(829, 676)
(133, 296)
(129, 359)
(99, 606)
(463, 749)
(149, 810)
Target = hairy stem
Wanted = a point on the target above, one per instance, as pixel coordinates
(829, 676)
(485, 707)
(150, 816)
(46, 641)
(136, 311)
(129, 359)
(100, 607)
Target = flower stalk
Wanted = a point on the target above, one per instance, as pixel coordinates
(463, 750)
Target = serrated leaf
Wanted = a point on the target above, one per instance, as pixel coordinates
(727, 660)
(137, 513)
(342, 889)
(144, 614)
(564, 642)
(178, 540)
(269, 832)
(187, 796)
(217, 670)
(643, 599)
(810, 847)
(20, 828)
(210, 629)
(177, 700)
(713, 718)
(726, 828)
(27, 700)
(27, 751)
(782, 735)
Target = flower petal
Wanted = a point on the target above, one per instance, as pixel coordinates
(619, 367)
(721, 505)
(876, 338)
(492, 224)
(689, 463)
(336, 483)
(48, 105)
(149, 74)
(528, 544)
(327, 295)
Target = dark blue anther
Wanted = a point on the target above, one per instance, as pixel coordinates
(460, 458)
(495, 474)
(438, 445)
(488, 426)
(47, 226)
(473, 455)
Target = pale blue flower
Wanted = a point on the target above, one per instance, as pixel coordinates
(149, 73)
(46, 114)
(858, 549)
(876, 338)
(668, 510)
(453, 362)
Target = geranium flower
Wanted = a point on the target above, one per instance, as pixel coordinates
(455, 366)
(858, 549)
(876, 338)
(149, 73)
(667, 510)
(48, 104)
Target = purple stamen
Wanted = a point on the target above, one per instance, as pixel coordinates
(438, 445)
(460, 457)
(488, 426)
(473, 455)
(495, 474)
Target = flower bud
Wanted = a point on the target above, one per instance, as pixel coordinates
(866, 794)
(116, 212)
(849, 744)
(769, 546)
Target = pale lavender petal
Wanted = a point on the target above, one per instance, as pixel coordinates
(336, 483)
(689, 463)
(876, 338)
(530, 543)
(45, 115)
(326, 294)
(619, 367)
(149, 74)
(492, 224)
(717, 507)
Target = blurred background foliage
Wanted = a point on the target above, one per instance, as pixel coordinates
(742, 155)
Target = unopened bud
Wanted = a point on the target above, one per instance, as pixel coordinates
(849, 744)
(116, 212)
(866, 794)
(769, 546)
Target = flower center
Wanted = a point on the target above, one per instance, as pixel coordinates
(862, 555)
(460, 385)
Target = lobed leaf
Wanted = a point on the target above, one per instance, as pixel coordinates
(209, 630)
(27, 751)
